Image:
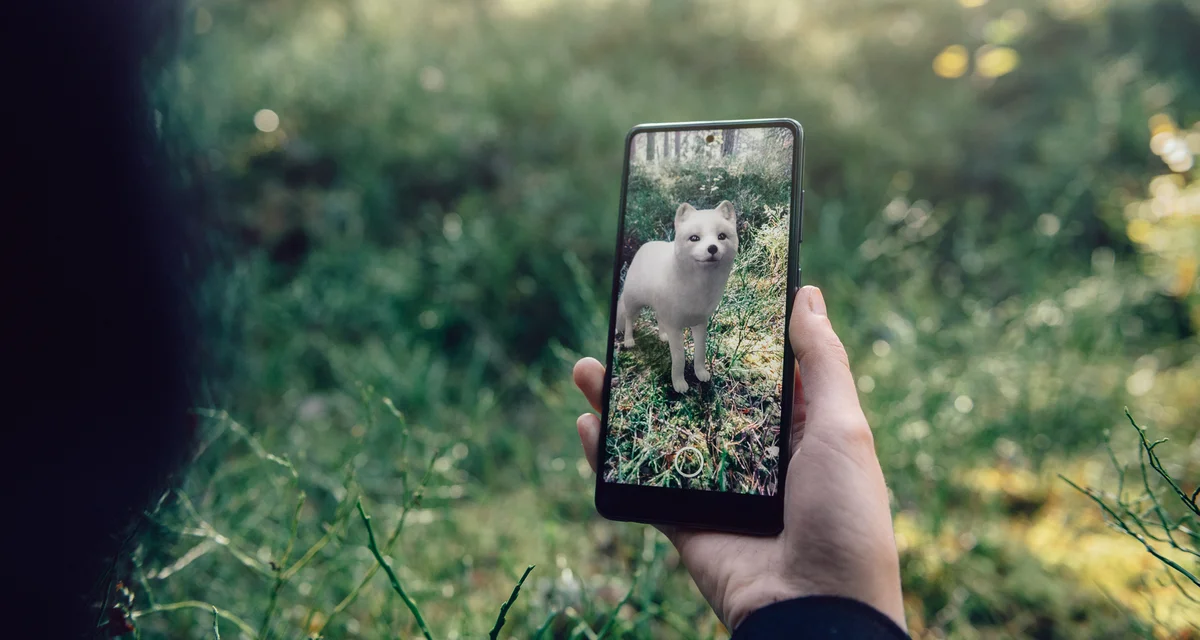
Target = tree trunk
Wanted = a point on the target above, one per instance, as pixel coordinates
(729, 142)
(678, 135)
(650, 146)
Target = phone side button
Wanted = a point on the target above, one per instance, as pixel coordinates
(801, 216)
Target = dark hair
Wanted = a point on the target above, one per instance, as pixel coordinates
(97, 343)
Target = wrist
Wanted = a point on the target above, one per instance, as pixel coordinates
(742, 603)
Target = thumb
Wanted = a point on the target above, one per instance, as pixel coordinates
(830, 398)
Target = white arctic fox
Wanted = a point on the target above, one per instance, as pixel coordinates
(682, 281)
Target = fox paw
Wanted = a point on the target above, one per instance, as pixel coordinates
(662, 335)
(703, 375)
(628, 342)
(681, 385)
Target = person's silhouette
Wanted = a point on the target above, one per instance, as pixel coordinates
(95, 345)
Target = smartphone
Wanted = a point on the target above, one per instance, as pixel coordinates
(698, 380)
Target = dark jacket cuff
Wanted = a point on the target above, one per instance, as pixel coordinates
(819, 618)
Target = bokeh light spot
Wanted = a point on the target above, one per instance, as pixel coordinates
(1160, 140)
(266, 120)
(1185, 276)
(452, 227)
(881, 348)
(1048, 224)
(1000, 32)
(1193, 141)
(1139, 231)
(1184, 163)
(951, 62)
(1161, 123)
(1140, 383)
(432, 79)
(993, 62)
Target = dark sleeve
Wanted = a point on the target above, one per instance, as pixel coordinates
(819, 618)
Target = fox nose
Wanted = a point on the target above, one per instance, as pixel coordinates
(712, 248)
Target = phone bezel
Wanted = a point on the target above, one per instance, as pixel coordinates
(716, 510)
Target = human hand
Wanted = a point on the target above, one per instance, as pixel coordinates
(837, 535)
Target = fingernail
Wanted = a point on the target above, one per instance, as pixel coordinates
(816, 301)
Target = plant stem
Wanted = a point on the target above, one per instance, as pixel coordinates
(413, 501)
(541, 631)
(508, 603)
(612, 619)
(197, 604)
(1124, 527)
(265, 630)
(412, 606)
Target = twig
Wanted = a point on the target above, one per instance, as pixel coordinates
(508, 603)
(1189, 502)
(197, 604)
(324, 540)
(1125, 515)
(255, 445)
(216, 624)
(142, 579)
(412, 606)
(1136, 536)
(413, 501)
(206, 530)
(341, 518)
(265, 630)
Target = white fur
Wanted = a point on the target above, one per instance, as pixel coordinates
(682, 281)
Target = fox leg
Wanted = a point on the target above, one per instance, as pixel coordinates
(625, 321)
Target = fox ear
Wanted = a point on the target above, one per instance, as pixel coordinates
(682, 212)
(726, 209)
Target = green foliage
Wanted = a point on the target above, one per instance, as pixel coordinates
(1157, 522)
(432, 222)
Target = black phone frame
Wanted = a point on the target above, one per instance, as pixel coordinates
(698, 508)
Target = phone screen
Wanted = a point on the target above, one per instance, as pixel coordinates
(697, 366)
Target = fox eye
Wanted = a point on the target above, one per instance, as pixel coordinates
(694, 238)
(720, 236)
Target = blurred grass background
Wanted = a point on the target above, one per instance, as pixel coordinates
(411, 205)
